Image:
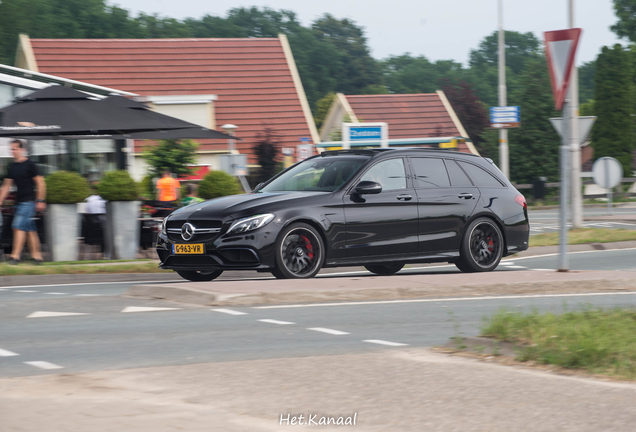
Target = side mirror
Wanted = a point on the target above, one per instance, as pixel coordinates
(366, 187)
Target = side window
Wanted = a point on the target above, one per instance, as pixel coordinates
(390, 174)
(429, 173)
(458, 177)
(480, 176)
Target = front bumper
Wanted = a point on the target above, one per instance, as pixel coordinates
(252, 251)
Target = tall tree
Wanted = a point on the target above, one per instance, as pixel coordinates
(626, 13)
(586, 81)
(357, 68)
(612, 134)
(534, 147)
(472, 113)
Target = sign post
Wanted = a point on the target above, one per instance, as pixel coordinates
(560, 49)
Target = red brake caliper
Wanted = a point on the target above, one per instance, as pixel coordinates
(309, 247)
(491, 244)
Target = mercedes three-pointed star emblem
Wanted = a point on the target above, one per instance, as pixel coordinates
(187, 231)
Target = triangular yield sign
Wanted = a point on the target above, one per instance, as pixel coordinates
(560, 49)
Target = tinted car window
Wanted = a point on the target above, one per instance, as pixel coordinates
(317, 174)
(429, 173)
(390, 174)
(480, 176)
(458, 177)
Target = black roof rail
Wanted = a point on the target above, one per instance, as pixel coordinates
(365, 152)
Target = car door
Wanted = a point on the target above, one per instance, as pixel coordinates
(445, 200)
(382, 224)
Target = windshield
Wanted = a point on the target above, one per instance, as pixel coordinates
(318, 174)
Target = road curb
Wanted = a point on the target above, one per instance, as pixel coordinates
(63, 279)
(312, 293)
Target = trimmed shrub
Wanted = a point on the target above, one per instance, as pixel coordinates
(63, 187)
(147, 188)
(118, 186)
(217, 184)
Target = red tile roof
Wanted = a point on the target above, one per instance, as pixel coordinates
(408, 115)
(251, 77)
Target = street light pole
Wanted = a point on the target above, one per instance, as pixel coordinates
(229, 129)
(503, 132)
(575, 144)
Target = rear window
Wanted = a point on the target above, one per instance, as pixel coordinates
(429, 173)
(458, 177)
(480, 176)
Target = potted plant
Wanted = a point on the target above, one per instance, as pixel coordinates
(63, 224)
(122, 210)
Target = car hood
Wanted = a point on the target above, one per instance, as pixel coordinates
(236, 206)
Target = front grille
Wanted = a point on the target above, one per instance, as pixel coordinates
(191, 261)
(177, 224)
(239, 255)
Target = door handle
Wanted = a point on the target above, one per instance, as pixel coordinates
(404, 197)
(465, 195)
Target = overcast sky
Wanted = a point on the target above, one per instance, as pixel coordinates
(437, 29)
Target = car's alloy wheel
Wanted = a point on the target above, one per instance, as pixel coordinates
(299, 252)
(384, 270)
(199, 276)
(482, 247)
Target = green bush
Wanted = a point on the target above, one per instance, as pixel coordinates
(147, 188)
(118, 186)
(63, 187)
(217, 184)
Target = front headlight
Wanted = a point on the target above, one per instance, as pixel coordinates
(164, 226)
(250, 223)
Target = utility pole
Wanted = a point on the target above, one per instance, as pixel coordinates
(575, 145)
(503, 132)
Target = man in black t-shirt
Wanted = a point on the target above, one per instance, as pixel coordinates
(31, 191)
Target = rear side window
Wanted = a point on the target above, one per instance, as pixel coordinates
(458, 177)
(480, 176)
(429, 173)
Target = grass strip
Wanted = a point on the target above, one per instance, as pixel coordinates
(584, 235)
(30, 269)
(601, 341)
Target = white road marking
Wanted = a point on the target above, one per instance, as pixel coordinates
(273, 321)
(381, 342)
(442, 300)
(229, 311)
(130, 309)
(96, 283)
(45, 314)
(53, 293)
(506, 263)
(25, 291)
(329, 331)
(7, 353)
(44, 365)
(87, 295)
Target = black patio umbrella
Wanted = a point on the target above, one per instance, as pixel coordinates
(56, 111)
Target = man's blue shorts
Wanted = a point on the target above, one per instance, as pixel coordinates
(23, 216)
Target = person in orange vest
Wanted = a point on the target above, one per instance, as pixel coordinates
(169, 190)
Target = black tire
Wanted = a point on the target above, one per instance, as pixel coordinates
(481, 247)
(384, 270)
(199, 276)
(299, 252)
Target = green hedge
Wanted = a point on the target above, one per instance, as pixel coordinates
(217, 184)
(118, 186)
(63, 187)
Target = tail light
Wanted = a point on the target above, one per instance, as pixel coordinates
(521, 200)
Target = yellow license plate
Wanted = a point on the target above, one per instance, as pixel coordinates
(181, 249)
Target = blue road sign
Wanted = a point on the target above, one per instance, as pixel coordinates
(504, 114)
(365, 133)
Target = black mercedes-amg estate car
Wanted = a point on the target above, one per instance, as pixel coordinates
(380, 209)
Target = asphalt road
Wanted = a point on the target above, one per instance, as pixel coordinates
(546, 221)
(105, 331)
